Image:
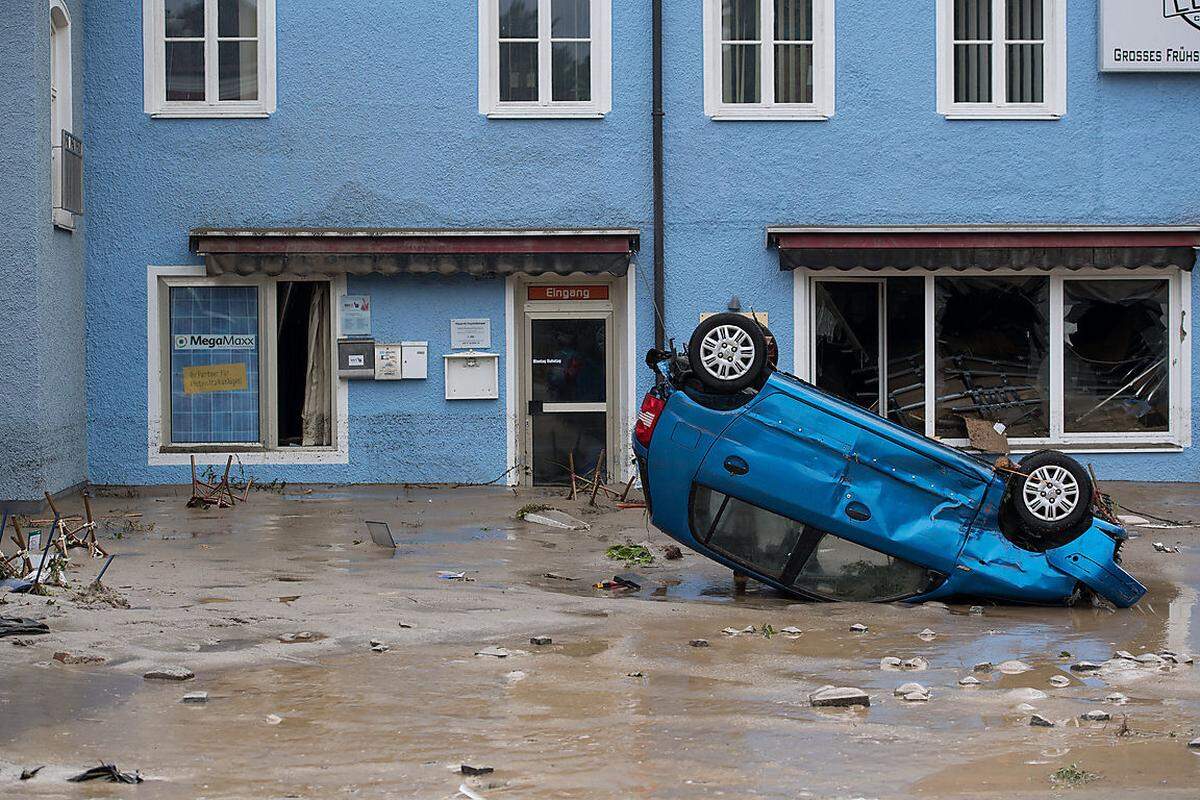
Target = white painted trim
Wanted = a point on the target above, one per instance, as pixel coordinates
(1054, 92)
(632, 362)
(511, 412)
(157, 278)
(62, 105)
(930, 353)
(1187, 309)
(154, 82)
(545, 108)
(824, 69)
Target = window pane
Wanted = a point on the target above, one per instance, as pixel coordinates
(740, 73)
(793, 73)
(793, 20)
(739, 20)
(184, 18)
(842, 570)
(972, 20)
(570, 19)
(846, 340)
(569, 362)
(1024, 19)
(185, 71)
(572, 62)
(706, 504)
(906, 352)
(518, 19)
(237, 18)
(993, 353)
(1116, 371)
(972, 73)
(756, 537)
(559, 439)
(239, 70)
(214, 364)
(1025, 73)
(518, 72)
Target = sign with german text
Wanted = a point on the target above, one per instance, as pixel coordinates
(568, 292)
(216, 341)
(1150, 35)
(470, 334)
(215, 378)
(354, 315)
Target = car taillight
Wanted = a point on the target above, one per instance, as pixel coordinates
(652, 406)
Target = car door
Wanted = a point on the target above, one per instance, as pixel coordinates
(803, 455)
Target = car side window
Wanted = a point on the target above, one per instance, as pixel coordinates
(812, 561)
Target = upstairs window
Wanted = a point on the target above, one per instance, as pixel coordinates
(768, 59)
(1002, 59)
(66, 196)
(544, 58)
(209, 58)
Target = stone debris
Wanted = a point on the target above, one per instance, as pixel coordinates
(1163, 548)
(514, 676)
(1085, 666)
(1025, 708)
(912, 693)
(1013, 667)
(1116, 698)
(927, 635)
(83, 658)
(969, 681)
(839, 697)
(1125, 654)
(541, 641)
(302, 636)
(273, 719)
(890, 663)
(1096, 715)
(195, 697)
(1194, 744)
(791, 630)
(492, 651)
(1038, 721)
(982, 666)
(379, 648)
(1060, 681)
(672, 552)
(916, 664)
(1150, 659)
(1176, 658)
(977, 610)
(858, 627)
(553, 518)
(916, 697)
(467, 769)
(699, 642)
(1025, 695)
(169, 673)
(747, 631)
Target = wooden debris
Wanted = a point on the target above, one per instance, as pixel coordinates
(219, 494)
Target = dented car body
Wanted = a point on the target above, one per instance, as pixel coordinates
(824, 500)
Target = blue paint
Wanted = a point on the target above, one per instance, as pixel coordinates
(377, 125)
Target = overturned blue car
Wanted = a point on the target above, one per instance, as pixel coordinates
(823, 500)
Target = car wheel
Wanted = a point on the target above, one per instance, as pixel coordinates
(1051, 499)
(728, 352)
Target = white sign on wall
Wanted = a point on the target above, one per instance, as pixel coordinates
(1150, 35)
(470, 334)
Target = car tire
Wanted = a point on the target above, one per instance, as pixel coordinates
(728, 352)
(1050, 500)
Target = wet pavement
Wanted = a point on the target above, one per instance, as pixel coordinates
(273, 606)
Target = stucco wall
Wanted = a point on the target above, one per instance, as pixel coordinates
(43, 420)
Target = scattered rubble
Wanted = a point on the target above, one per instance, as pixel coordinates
(890, 663)
(553, 518)
(169, 673)
(273, 719)
(494, 652)
(1116, 698)
(19, 626)
(982, 666)
(1085, 666)
(27, 774)
(541, 641)
(467, 769)
(63, 657)
(699, 642)
(858, 627)
(672, 552)
(108, 773)
(916, 664)
(969, 681)
(1096, 715)
(1060, 681)
(1194, 744)
(1038, 721)
(1163, 548)
(195, 697)
(1013, 667)
(927, 635)
(1025, 695)
(977, 610)
(839, 697)
(749, 630)
(791, 631)
(912, 692)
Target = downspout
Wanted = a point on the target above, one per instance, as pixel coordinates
(659, 213)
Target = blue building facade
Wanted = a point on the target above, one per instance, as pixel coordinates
(944, 213)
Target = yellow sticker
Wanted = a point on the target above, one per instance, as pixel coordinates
(215, 378)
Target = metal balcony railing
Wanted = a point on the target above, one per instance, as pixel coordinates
(71, 175)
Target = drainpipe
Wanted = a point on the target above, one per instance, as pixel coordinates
(659, 268)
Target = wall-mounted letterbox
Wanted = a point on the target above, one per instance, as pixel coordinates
(414, 360)
(472, 376)
(356, 358)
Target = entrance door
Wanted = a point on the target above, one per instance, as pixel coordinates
(849, 351)
(567, 389)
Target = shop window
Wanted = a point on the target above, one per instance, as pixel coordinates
(544, 58)
(209, 58)
(231, 379)
(1002, 58)
(769, 59)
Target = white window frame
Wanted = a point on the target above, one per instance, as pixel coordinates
(824, 39)
(161, 451)
(544, 108)
(155, 75)
(1179, 291)
(62, 105)
(1054, 61)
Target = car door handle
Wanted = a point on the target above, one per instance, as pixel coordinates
(858, 512)
(736, 465)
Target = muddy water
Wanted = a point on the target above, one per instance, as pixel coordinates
(620, 705)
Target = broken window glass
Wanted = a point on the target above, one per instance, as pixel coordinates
(993, 353)
(1116, 370)
(839, 569)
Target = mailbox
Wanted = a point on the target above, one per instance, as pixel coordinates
(472, 376)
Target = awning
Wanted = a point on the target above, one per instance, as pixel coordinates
(387, 251)
(985, 247)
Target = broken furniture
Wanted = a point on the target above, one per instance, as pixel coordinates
(83, 535)
(219, 494)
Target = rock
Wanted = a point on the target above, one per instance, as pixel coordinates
(699, 642)
(1084, 666)
(1025, 708)
(553, 518)
(672, 552)
(927, 635)
(1120, 664)
(977, 610)
(1025, 695)
(467, 769)
(1116, 698)
(541, 641)
(909, 688)
(1163, 548)
(982, 666)
(494, 652)
(839, 697)
(1060, 681)
(935, 604)
(1194, 744)
(916, 664)
(858, 627)
(382, 648)
(273, 719)
(1149, 659)
(729, 631)
(916, 697)
(1038, 721)
(83, 658)
(169, 673)
(514, 676)
(890, 663)
(969, 681)
(791, 630)
(1124, 654)
(1013, 667)
(1096, 715)
(195, 697)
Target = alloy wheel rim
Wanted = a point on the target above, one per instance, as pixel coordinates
(1051, 493)
(727, 352)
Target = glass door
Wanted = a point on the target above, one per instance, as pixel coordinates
(567, 389)
(849, 350)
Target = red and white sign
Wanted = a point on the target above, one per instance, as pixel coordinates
(568, 292)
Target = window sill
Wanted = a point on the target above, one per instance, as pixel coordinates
(544, 113)
(209, 112)
(64, 220)
(769, 115)
(1001, 114)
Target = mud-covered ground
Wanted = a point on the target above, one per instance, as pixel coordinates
(274, 604)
